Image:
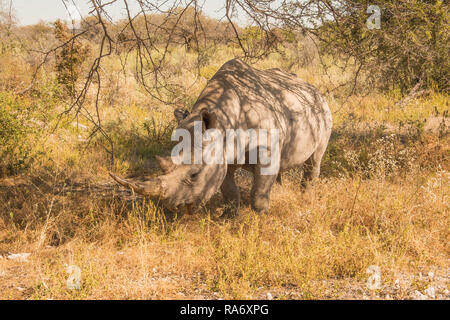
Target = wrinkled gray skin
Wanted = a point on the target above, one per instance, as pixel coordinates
(240, 97)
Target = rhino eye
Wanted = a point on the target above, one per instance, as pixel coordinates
(194, 175)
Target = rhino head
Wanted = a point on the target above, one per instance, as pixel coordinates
(182, 184)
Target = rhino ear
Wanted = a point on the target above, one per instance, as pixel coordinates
(208, 119)
(165, 163)
(180, 114)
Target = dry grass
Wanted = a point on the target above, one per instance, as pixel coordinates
(383, 200)
(316, 244)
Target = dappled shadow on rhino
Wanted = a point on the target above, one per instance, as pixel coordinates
(239, 97)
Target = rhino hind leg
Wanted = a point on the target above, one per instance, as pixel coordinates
(231, 195)
(279, 178)
(260, 194)
(311, 167)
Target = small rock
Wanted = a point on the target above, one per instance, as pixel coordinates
(18, 256)
(419, 295)
(397, 284)
(79, 126)
(430, 292)
(431, 275)
(269, 296)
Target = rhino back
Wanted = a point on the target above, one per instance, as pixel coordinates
(243, 97)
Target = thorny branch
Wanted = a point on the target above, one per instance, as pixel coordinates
(152, 28)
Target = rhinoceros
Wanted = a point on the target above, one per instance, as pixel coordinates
(239, 96)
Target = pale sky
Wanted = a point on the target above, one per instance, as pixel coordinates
(33, 11)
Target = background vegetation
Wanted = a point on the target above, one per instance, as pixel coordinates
(75, 103)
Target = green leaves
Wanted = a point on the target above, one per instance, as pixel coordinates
(18, 120)
(411, 47)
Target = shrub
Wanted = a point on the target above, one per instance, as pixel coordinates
(376, 152)
(70, 59)
(18, 129)
(409, 50)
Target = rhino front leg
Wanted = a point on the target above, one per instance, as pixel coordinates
(231, 194)
(260, 194)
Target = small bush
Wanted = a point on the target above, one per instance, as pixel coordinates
(70, 59)
(373, 153)
(18, 124)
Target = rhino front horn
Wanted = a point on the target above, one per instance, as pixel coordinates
(148, 188)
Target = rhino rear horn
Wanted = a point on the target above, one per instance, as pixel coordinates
(165, 163)
(148, 188)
